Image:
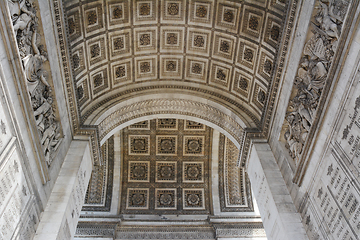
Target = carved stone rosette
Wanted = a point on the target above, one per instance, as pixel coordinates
(313, 73)
(32, 51)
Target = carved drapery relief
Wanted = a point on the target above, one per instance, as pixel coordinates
(26, 26)
(313, 73)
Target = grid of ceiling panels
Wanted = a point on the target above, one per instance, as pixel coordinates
(166, 167)
(226, 46)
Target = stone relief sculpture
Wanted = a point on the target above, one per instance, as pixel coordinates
(33, 56)
(312, 73)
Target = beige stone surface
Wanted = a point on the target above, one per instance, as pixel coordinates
(277, 78)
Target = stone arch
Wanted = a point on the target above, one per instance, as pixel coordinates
(198, 109)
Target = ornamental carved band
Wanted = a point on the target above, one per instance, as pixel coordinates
(26, 26)
(171, 106)
(313, 76)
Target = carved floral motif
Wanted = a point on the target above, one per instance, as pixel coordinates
(171, 38)
(201, 11)
(173, 9)
(312, 73)
(33, 56)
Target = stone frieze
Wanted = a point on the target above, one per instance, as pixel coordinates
(34, 58)
(313, 74)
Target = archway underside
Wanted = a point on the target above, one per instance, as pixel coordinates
(97, 109)
(167, 170)
(124, 114)
(206, 61)
(222, 50)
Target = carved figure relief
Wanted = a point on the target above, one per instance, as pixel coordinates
(33, 56)
(312, 74)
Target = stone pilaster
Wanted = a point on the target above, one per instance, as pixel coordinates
(278, 212)
(60, 218)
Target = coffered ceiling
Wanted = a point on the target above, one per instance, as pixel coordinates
(173, 155)
(222, 50)
(166, 167)
(169, 168)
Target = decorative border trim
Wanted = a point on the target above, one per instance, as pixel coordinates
(171, 106)
(211, 94)
(279, 73)
(107, 194)
(246, 185)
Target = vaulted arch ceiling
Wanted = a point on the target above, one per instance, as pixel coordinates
(225, 51)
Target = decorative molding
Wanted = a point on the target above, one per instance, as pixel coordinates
(99, 192)
(156, 232)
(280, 64)
(78, 129)
(208, 231)
(169, 106)
(100, 229)
(234, 185)
(91, 131)
(62, 32)
(234, 177)
(240, 232)
(130, 92)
